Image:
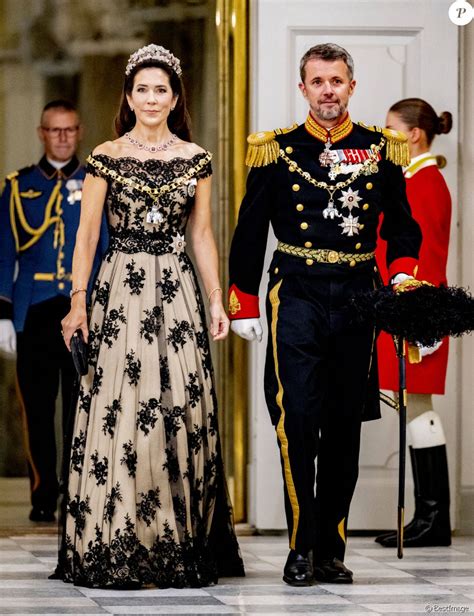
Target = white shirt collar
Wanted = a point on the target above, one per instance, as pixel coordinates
(56, 163)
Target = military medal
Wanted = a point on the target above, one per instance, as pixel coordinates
(178, 244)
(75, 191)
(350, 225)
(154, 216)
(330, 211)
(192, 187)
(329, 158)
(350, 198)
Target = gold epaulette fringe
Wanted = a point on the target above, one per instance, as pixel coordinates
(263, 149)
(397, 145)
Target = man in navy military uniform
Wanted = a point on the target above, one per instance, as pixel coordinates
(322, 186)
(39, 218)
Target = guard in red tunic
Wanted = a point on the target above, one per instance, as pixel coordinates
(322, 186)
(430, 202)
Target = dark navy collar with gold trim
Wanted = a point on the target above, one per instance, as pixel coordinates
(50, 172)
(334, 134)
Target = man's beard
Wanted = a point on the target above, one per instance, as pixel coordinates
(337, 111)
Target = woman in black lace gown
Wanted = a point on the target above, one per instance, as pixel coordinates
(146, 500)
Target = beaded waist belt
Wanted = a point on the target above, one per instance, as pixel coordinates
(325, 255)
(158, 244)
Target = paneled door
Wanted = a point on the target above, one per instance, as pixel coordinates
(400, 49)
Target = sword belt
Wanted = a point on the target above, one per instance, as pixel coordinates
(325, 255)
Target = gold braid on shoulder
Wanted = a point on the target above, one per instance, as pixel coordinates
(397, 144)
(263, 149)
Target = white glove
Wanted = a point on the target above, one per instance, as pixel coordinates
(429, 350)
(249, 329)
(7, 336)
(400, 278)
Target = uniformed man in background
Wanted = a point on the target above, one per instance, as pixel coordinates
(39, 217)
(322, 186)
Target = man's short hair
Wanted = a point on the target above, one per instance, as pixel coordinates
(328, 52)
(60, 103)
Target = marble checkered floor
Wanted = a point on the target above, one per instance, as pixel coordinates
(429, 580)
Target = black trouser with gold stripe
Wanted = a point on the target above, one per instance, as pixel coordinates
(43, 362)
(316, 377)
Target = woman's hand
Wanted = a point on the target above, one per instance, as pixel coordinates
(219, 327)
(75, 319)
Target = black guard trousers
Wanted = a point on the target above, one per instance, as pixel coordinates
(316, 379)
(43, 362)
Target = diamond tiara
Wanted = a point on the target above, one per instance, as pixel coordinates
(153, 52)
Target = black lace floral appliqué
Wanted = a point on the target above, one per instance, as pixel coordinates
(110, 419)
(169, 287)
(133, 368)
(111, 327)
(179, 334)
(135, 279)
(147, 506)
(130, 458)
(151, 324)
(147, 416)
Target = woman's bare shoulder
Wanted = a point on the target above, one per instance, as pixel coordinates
(109, 148)
(189, 149)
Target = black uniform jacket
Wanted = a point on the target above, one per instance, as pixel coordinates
(283, 193)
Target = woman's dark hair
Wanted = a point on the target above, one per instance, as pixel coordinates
(417, 113)
(179, 121)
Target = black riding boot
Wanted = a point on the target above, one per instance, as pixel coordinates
(430, 525)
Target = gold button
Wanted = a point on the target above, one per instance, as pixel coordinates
(276, 270)
(300, 207)
(308, 244)
(61, 285)
(352, 263)
(289, 149)
(361, 226)
(358, 246)
(309, 261)
(369, 185)
(296, 187)
(304, 225)
(365, 206)
(333, 256)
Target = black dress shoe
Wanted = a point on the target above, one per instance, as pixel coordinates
(42, 515)
(332, 571)
(298, 569)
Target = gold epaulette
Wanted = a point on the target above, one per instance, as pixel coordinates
(263, 149)
(12, 175)
(397, 144)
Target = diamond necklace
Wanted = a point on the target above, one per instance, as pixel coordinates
(151, 148)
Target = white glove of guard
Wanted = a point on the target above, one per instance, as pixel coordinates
(7, 336)
(400, 278)
(249, 329)
(429, 350)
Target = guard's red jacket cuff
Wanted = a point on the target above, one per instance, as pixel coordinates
(405, 265)
(242, 305)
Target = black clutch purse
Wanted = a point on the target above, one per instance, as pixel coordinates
(79, 353)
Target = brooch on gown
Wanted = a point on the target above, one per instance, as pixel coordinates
(178, 244)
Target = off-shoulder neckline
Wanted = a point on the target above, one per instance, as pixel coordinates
(160, 160)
